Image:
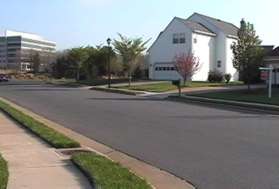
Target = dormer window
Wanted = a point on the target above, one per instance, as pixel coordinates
(179, 38)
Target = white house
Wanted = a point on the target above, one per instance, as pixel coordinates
(207, 38)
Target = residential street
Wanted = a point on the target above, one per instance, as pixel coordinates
(213, 148)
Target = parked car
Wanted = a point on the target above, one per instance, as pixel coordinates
(4, 78)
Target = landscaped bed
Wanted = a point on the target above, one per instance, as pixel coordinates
(4, 174)
(256, 96)
(168, 86)
(107, 174)
(51, 136)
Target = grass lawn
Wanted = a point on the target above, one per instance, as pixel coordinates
(106, 174)
(4, 174)
(51, 136)
(258, 96)
(167, 86)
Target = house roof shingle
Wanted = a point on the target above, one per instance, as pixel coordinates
(226, 27)
(195, 26)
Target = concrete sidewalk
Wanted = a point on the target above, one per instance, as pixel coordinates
(33, 164)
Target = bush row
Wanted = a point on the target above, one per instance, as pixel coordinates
(217, 76)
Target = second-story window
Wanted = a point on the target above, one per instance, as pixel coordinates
(182, 38)
(175, 39)
(179, 38)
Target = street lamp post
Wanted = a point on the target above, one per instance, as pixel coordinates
(109, 67)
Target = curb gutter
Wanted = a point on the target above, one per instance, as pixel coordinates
(118, 91)
(158, 178)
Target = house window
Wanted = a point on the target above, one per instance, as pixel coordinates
(179, 38)
(175, 38)
(182, 39)
(195, 40)
(219, 64)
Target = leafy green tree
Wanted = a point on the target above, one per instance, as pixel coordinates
(77, 56)
(84, 62)
(248, 54)
(96, 64)
(63, 67)
(129, 49)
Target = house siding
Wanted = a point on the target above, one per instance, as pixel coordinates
(229, 64)
(164, 51)
(204, 49)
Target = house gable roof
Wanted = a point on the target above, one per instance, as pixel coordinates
(274, 52)
(194, 26)
(228, 28)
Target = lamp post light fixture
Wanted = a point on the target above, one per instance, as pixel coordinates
(109, 67)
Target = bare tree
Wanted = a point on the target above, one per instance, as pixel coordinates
(187, 65)
(35, 61)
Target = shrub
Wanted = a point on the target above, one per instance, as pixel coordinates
(228, 77)
(215, 76)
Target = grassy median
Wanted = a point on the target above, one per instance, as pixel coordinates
(4, 174)
(256, 96)
(51, 136)
(168, 86)
(107, 174)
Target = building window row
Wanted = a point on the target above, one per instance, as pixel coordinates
(14, 45)
(165, 68)
(14, 39)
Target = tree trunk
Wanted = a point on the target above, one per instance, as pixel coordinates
(78, 75)
(130, 78)
(184, 79)
(249, 85)
(179, 90)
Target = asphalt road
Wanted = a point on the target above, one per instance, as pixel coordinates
(211, 147)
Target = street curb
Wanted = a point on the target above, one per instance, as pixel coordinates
(156, 177)
(118, 91)
(248, 105)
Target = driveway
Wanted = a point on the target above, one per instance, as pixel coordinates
(211, 147)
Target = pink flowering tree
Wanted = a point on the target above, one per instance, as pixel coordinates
(187, 65)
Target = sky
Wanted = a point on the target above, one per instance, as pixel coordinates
(73, 23)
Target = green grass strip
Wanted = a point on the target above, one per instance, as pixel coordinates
(253, 96)
(168, 86)
(4, 174)
(106, 174)
(51, 136)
